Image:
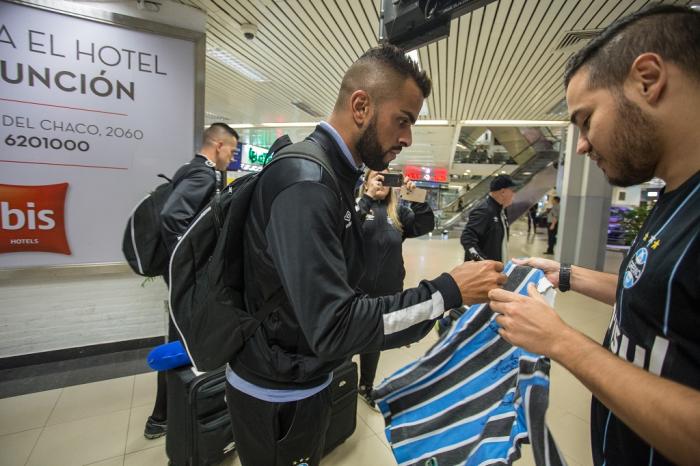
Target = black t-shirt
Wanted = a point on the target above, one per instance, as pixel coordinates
(656, 320)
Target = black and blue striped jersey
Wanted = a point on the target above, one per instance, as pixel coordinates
(473, 398)
(656, 320)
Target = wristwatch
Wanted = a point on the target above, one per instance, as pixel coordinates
(564, 277)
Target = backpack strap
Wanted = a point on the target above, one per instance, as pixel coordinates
(308, 150)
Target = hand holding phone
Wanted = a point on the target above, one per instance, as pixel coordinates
(393, 180)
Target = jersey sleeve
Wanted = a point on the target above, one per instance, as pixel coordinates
(416, 220)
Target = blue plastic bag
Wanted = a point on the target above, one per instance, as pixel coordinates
(168, 356)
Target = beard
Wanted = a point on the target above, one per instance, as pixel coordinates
(636, 149)
(370, 150)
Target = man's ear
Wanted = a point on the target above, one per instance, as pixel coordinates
(360, 106)
(648, 77)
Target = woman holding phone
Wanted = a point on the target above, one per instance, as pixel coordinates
(386, 224)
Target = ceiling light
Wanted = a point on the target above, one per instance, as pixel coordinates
(461, 146)
(300, 124)
(513, 123)
(215, 116)
(304, 107)
(432, 123)
(242, 126)
(226, 59)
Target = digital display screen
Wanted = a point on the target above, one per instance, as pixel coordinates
(438, 175)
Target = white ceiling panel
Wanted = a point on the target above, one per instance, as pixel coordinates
(499, 62)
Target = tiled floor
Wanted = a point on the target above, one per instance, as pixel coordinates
(101, 423)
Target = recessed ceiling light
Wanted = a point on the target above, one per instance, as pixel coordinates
(226, 59)
(432, 123)
(513, 123)
(300, 124)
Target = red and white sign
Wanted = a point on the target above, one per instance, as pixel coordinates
(32, 218)
(425, 174)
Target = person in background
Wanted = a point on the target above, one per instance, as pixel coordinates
(486, 234)
(195, 182)
(532, 219)
(385, 225)
(634, 94)
(552, 225)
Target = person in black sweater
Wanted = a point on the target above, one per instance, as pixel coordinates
(385, 225)
(194, 184)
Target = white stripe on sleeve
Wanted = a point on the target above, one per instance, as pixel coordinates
(412, 315)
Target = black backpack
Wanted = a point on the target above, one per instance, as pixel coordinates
(143, 245)
(206, 271)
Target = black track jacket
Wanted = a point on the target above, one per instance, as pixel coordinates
(304, 235)
(485, 231)
(384, 272)
(195, 182)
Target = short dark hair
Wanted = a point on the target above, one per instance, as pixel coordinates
(671, 31)
(395, 58)
(217, 130)
(557, 198)
(369, 72)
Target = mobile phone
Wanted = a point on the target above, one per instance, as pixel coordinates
(394, 180)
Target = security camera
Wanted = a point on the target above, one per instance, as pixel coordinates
(249, 31)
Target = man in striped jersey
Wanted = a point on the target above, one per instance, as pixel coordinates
(634, 93)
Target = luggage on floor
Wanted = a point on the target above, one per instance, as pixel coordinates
(199, 427)
(344, 406)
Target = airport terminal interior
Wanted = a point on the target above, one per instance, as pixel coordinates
(101, 423)
(76, 324)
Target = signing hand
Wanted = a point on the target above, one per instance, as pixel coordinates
(476, 279)
(548, 266)
(528, 321)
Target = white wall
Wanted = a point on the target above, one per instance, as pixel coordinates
(45, 310)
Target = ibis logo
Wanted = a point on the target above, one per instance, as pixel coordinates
(31, 218)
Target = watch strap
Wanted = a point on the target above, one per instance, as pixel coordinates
(564, 277)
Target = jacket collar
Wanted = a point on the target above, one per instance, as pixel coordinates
(345, 172)
(494, 202)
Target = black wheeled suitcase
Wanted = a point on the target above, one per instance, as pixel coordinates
(344, 406)
(199, 427)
